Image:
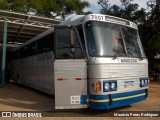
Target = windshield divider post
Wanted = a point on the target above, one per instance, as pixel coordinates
(123, 41)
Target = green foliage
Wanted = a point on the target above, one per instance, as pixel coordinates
(3, 4)
(49, 8)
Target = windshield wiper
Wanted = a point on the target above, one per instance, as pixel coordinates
(114, 57)
(140, 58)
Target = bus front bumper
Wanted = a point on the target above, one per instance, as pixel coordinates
(117, 100)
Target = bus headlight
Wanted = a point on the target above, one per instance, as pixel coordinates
(146, 81)
(109, 85)
(143, 82)
(113, 85)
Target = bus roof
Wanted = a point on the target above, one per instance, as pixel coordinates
(80, 19)
(36, 38)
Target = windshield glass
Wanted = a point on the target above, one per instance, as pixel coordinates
(132, 41)
(108, 39)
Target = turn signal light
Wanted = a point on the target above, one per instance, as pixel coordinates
(98, 86)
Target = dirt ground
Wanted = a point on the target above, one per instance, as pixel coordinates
(14, 98)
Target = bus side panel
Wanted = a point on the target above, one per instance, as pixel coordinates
(36, 72)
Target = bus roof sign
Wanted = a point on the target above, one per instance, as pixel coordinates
(112, 19)
(81, 19)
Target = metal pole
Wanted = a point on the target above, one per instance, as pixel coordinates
(4, 53)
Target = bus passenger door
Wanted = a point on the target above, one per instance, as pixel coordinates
(70, 70)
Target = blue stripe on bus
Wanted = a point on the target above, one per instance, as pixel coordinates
(83, 99)
(116, 100)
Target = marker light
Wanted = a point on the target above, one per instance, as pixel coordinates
(98, 86)
(143, 82)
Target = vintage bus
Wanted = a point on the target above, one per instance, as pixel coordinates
(93, 60)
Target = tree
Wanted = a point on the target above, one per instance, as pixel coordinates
(49, 8)
(126, 2)
(110, 10)
(153, 36)
(126, 10)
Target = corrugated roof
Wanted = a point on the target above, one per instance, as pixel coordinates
(23, 27)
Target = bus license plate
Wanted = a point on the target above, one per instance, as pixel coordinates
(129, 84)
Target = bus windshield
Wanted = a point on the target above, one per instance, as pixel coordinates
(109, 39)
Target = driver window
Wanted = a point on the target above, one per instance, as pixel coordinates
(63, 44)
(65, 49)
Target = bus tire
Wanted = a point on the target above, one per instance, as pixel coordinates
(18, 81)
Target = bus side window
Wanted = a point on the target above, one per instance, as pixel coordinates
(25, 51)
(80, 31)
(78, 50)
(40, 46)
(18, 54)
(48, 43)
(65, 47)
(33, 48)
(63, 44)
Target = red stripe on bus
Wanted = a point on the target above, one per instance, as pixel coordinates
(60, 79)
(78, 78)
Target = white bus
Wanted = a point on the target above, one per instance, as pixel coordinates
(94, 61)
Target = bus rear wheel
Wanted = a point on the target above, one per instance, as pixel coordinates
(18, 81)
